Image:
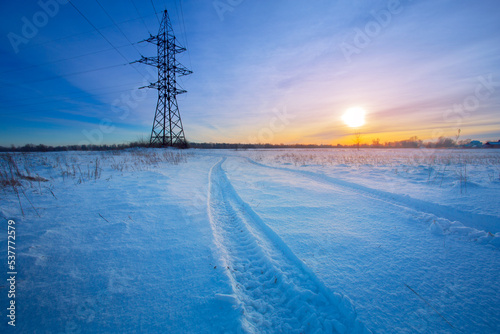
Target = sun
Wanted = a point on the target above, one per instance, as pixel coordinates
(354, 117)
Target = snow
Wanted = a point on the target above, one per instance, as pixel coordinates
(255, 241)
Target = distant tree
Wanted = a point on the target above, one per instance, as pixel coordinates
(445, 142)
(357, 139)
(464, 142)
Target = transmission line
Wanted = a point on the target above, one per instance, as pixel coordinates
(82, 33)
(69, 94)
(68, 74)
(113, 47)
(62, 100)
(61, 60)
(154, 8)
(137, 10)
(68, 98)
(185, 36)
(116, 25)
(104, 37)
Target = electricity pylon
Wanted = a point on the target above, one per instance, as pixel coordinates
(167, 125)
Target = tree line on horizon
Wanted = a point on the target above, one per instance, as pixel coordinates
(412, 142)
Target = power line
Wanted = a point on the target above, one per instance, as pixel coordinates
(104, 37)
(113, 47)
(155, 12)
(121, 31)
(137, 10)
(35, 111)
(68, 98)
(183, 27)
(60, 60)
(69, 74)
(177, 11)
(185, 36)
(95, 28)
(71, 94)
(84, 33)
(183, 23)
(52, 109)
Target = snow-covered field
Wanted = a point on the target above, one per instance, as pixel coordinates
(257, 241)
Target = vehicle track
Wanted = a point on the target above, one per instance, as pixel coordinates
(275, 291)
(481, 222)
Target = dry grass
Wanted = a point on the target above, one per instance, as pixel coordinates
(80, 167)
(383, 158)
(436, 165)
(17, 176)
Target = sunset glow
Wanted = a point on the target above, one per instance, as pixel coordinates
(264, 72)
(354, 117)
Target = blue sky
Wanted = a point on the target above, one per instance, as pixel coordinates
(264, 71)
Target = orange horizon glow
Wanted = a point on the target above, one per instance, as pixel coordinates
(367, 137)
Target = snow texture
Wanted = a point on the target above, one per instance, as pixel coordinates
(277, 241)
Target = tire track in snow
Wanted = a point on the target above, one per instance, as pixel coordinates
(477, 221)
(275, 291)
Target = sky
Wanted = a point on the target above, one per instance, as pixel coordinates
(281, 71)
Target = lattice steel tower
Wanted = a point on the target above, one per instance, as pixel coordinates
(167, 125)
